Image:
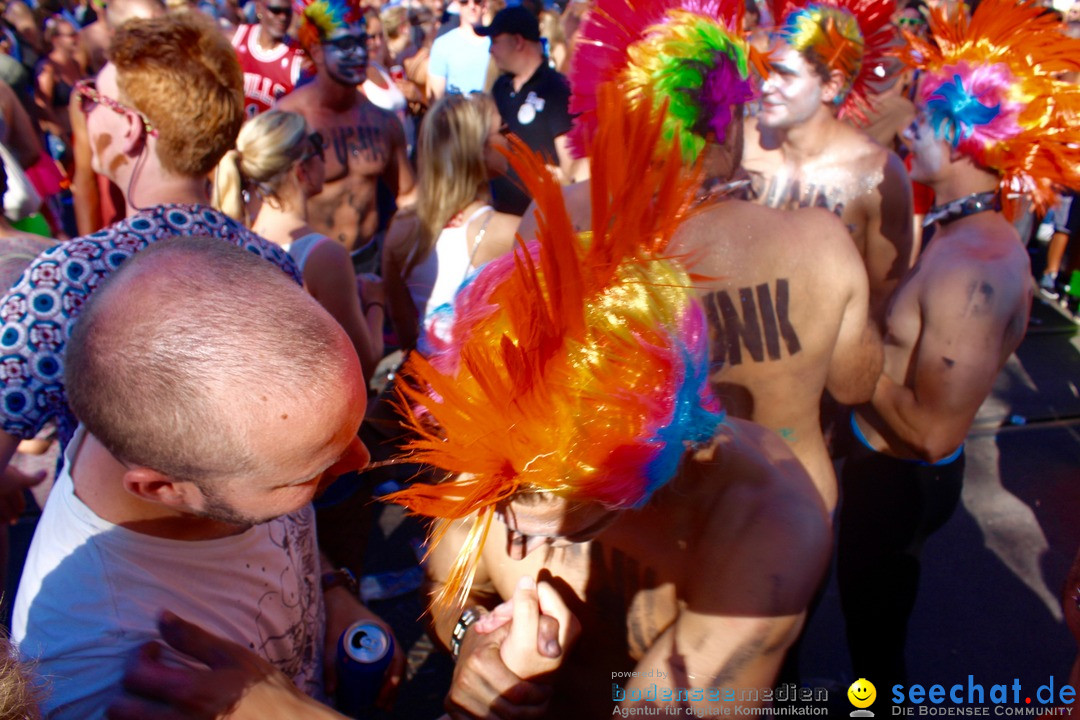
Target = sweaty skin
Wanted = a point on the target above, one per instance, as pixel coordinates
(705, 586)
(786, 298)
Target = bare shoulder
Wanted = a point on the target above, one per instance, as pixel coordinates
(373, 112)
(403, 228)
(299, 99)
(768, 528)
(988, 269)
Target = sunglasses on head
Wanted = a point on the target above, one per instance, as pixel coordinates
(90, 97)
(349, 43)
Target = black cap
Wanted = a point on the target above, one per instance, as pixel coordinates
(513, 20)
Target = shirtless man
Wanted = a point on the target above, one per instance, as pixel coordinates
(365, 144)
(785, 294)
(958, 314)
(799, 154)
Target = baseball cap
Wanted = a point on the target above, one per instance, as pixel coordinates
(513, 20)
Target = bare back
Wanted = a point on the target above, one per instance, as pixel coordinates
(363, 144)
(859, 181)
(953, 323)
(785, 294)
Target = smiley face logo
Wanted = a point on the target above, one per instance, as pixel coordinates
(862, 693)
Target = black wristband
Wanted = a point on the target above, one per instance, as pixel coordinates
(342, 577)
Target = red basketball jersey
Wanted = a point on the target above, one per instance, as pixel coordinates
(268, 74)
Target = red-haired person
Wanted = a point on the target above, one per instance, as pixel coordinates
(159, 116)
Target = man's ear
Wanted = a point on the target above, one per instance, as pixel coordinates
(153, 486)
(315, 52)
(833, 87)
(135, 135)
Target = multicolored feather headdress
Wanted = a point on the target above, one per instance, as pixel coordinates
(849, 36)
(576, 365)
(689, 53)
(990, 87)
(321, 18)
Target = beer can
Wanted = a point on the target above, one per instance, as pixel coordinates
(363, 655)
(397, 73)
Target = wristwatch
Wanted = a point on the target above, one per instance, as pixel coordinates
(342, 577)
(468, 616)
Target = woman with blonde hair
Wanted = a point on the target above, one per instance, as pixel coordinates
(432, 248)
(265, 183)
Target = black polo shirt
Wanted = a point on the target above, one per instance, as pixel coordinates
(537, 113)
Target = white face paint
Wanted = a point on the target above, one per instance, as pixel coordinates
(929, 153)
(792, 93)
(345, 54)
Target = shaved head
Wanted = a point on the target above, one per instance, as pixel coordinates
(192, 348)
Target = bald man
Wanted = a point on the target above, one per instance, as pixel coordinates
(193, 465)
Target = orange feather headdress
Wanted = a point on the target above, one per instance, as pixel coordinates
(991, 87)
(578, 365)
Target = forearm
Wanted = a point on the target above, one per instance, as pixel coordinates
(854, 371)
(910, 421)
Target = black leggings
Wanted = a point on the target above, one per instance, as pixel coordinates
(889, 508)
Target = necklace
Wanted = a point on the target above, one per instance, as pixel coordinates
(962, 207)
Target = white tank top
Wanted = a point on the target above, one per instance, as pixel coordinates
(435, 280)
(388, 98)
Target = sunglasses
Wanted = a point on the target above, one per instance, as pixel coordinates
(910, 22)
(349, 43)
(478, 3)
(279, 9)
(316, 149)
(90, 97)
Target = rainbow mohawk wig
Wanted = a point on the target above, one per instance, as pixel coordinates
(849, 36)
(578, 364)
(320, 18)
(689, 53)
(990, 88)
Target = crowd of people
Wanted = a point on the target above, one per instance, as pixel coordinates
(651, 307)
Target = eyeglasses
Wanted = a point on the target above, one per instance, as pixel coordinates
(316, 143)
(279, 9)
(89, 97)
(349, 43)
